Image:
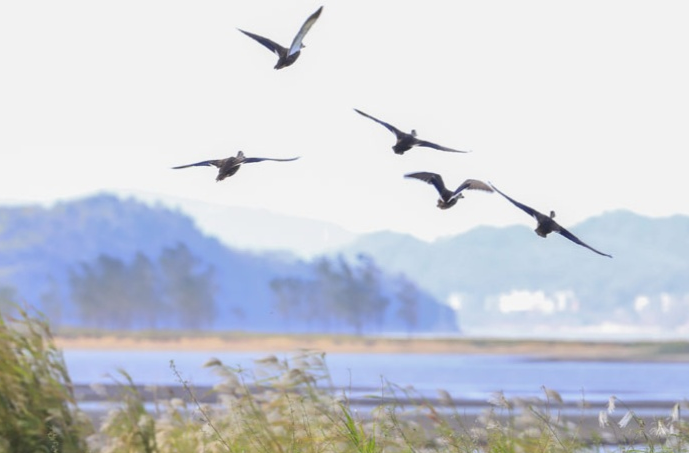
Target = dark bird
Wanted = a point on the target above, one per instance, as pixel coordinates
(547, 224)
(405, 141)
(448, 198)
(287, 56)
(229, 166)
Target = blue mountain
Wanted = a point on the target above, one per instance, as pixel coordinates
(41, 247)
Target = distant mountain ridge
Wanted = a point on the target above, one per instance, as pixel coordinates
(40, 248)
(492, 276)
(649, 272)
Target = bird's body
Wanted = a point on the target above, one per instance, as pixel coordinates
(406, 141)
(230, 165)
(547, 224)
(287, 56)
(448, 198)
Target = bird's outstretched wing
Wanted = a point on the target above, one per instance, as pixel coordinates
(389, 127)
(438, 147)
(529, 210)
(274, 47)
(206, 163)
(472, 184)
(559, 229)
(296, 43)
(249, 160)
(576, 240)
(431, 178)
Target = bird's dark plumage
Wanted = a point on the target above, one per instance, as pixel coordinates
(547, 224)
(448, 198)
(229, 166)
(287, 56)
(406, 141)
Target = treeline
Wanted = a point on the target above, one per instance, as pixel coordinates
(175, 290)
(180, 289)
(339, 295)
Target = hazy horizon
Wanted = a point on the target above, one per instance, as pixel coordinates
(209, 216)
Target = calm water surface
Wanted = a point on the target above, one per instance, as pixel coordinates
(473, 377)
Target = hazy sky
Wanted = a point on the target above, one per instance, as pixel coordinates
(581, 107)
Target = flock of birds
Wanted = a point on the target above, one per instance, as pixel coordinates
(227, 167)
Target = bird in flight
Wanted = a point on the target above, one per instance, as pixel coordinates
(229, 166)
(448, 198)
(406, 141)
(547, 224)
(287, 56)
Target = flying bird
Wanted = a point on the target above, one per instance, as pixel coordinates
(405, 141)
(448, 198)
(287, 56)
(229, 166)
(547, 224)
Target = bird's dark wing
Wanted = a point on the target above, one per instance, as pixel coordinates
(296, 43)
(206, 163)
(473, 184)
(431, 178)
(438, 147)
(274, 47)
(389, 127)
(249, 160)
(531, 211)
(576, 240)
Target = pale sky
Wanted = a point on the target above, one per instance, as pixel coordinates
(581, 107)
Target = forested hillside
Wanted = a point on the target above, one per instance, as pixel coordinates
(120, 264)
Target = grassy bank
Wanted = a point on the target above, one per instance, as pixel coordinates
(290, 405)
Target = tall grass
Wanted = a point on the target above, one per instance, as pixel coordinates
(38, 411)
(290, 405)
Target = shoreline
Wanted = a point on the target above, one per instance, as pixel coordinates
(459, 412)
(274, 343)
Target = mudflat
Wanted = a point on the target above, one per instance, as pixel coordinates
(267, 343)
